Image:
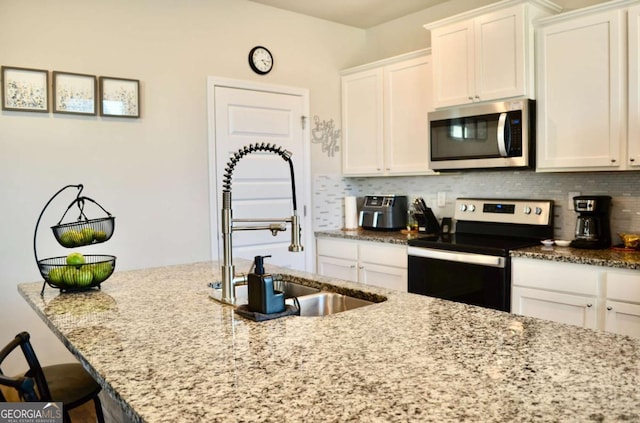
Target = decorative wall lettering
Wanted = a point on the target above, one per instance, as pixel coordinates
(324, 133)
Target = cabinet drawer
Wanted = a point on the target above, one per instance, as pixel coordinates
(567, 277)
(347, 250)
(623, 286)
(383, 254)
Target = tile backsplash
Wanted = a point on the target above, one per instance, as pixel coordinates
(624, 187)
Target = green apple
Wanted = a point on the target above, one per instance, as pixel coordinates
(100, 236)
(75, 259)
(67, 239)
(84, 277)
(70, 275)
(101, 271)
(87, 235)
(56, 274)
(76, 237)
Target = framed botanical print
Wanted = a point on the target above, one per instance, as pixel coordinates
(74, 93)
(25, 89)
(119, 97)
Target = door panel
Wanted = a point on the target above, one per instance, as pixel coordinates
(260, 183)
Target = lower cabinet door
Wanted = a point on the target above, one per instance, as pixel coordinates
(571, 309)
(622, 318)
(338, 268)
(383, 276)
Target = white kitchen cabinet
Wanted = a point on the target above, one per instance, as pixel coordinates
(578, 310)
(633, 22)
(487, 53)
(589, 296)
(583, 61)
(555, 291)
(371, 263)
(384, 117)
(622, 306)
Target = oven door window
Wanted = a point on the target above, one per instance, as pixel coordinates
(474, 284)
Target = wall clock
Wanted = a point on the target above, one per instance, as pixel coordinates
(261, 60)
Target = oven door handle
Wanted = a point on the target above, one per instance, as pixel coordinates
(460, 257)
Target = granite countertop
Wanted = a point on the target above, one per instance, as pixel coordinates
(613, 257)
(167, 352)
(389, 237)
(607, 257)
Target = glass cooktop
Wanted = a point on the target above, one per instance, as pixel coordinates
(469, 243)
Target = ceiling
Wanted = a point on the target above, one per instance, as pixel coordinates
(358, 13)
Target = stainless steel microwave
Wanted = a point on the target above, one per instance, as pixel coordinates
(483, 136)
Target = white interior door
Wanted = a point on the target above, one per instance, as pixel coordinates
(261, 182)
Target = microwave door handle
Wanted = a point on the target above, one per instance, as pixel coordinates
(502, 145)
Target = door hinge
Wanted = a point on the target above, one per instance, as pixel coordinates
(303, 120)
(304, 210)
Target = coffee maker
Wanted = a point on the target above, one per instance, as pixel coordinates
(592, 227)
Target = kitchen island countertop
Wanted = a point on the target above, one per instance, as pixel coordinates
(166, 352)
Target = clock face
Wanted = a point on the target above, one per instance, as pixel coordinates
(260, 60)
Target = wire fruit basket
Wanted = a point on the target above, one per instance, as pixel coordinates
(77, 272)
(74, 277)
(84, 231)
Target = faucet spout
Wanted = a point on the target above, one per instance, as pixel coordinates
(229, 277)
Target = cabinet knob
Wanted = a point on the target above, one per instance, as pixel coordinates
(613, 160)
(477, 97)
(361, 267)
(609, 308)
(470, 98)
(589, 305)
(353, 266)
(632, 159)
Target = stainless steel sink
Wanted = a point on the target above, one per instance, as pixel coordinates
(324, 303)
(312, 301)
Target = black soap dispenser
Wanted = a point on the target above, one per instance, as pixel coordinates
(262, 297)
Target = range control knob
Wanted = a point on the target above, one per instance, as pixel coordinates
(527, 210)
(463, 207)
(538, 211)
(472, 208)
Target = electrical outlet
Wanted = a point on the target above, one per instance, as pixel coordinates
(442, 198)
(570, 199)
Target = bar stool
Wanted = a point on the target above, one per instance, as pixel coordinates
(67, 383)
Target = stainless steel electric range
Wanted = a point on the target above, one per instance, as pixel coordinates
(472, 265)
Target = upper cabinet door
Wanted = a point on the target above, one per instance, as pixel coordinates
(362, 120)
(486, 54)
(580, 93)
(407, 102)
(453, 64)
(634, 86)
(385, 108)
(500, 48)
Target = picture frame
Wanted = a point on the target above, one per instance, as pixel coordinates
(119, 97)
(75, 93)
(25, 89)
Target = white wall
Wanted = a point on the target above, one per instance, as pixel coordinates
(152, 172)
